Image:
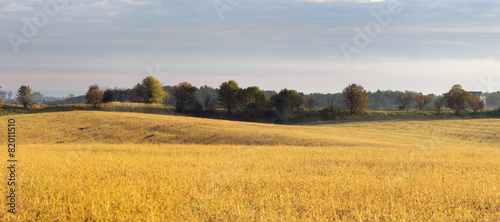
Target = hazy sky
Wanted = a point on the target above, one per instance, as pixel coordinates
(419, 45)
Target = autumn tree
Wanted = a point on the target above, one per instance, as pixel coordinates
(94, 95)
(184, 94)
(25, 96)
(152, 90)
(287, 101)
(438, 103)
(403, 99)
(309, 102)
(228, 95)
(421, 101)
(476, 103)
(355, 98)
(457, 99)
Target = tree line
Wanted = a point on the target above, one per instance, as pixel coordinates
(287, 103)
(255, 103)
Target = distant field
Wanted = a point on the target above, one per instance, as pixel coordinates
(108, 166)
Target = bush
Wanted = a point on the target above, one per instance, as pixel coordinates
(334, 113)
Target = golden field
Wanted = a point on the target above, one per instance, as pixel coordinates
(106, 166)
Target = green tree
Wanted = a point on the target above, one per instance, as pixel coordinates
(94, 95)
(152, 90)
(228, 95)
(184, 94)
(457, 99)
(25, 96)
(253, 100)
(287, 101)
(109, 96)
(355, 98)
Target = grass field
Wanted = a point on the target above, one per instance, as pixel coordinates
(108, 166)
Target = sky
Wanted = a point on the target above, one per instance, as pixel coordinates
(60, 47)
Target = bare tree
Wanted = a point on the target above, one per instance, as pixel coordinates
(403, 99)
(208, 103)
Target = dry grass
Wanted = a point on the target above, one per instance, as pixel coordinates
(102, 166)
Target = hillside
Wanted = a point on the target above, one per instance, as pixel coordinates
(114, 166)
(126, 128)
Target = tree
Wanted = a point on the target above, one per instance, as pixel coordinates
(309, 102)
(286, 101)
(253, 100)
(0, 95)
(109, 96)
(457, 99)
(421, 101)
(166, 99)
(25, 96)
(228, 95)
(152, 90)
(208, 102)
(438, 103)
(94, 95)
(184, 94)
(136, 94)
(476, 103)
(403, 99)
(355, 98)
(120, 94)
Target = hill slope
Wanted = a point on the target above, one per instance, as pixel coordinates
(126, 128)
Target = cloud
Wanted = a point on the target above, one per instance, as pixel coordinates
(13, 7)
(284, 37)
